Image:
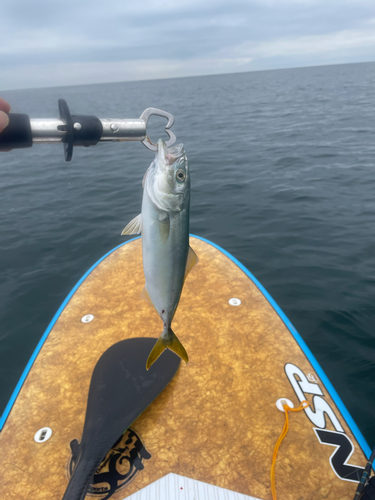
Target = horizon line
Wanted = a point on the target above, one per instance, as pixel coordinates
(189, 76)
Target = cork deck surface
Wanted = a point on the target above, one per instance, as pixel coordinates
(215, 422)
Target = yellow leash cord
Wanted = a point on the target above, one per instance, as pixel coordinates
(287, 409)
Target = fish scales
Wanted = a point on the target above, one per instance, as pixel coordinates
(164, 223)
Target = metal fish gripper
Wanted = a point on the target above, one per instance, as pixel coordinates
(80, 130)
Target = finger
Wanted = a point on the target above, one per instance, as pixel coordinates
(4, 120)
(4, 105)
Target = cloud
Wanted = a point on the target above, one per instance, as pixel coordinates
(91, 41)
(318, 44)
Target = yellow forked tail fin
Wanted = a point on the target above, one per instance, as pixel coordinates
(164, 342)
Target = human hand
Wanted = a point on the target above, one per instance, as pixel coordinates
(4, 120)
(4, 108)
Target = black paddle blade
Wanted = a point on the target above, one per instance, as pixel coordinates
(121, 389)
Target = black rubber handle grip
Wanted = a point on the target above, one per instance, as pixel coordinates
(18, 133)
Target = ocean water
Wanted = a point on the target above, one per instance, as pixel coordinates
(283, 177)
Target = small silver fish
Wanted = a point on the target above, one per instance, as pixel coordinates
(164, 224)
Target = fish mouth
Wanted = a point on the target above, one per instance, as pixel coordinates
(169, 156)
(162, 153)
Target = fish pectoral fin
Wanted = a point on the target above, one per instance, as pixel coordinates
(164, 226)
(134, 226)
(192, 260)
(145, 296)
(167, 342)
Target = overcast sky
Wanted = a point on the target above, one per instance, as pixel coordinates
(49, 43)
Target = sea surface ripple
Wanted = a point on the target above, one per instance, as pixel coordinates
(283, 177)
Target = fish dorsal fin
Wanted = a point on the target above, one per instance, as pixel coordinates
(134, 226)
(192, 260)
(145, 296)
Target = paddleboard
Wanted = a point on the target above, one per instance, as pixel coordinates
(212, 431)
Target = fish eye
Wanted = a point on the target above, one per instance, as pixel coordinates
(180, 175)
